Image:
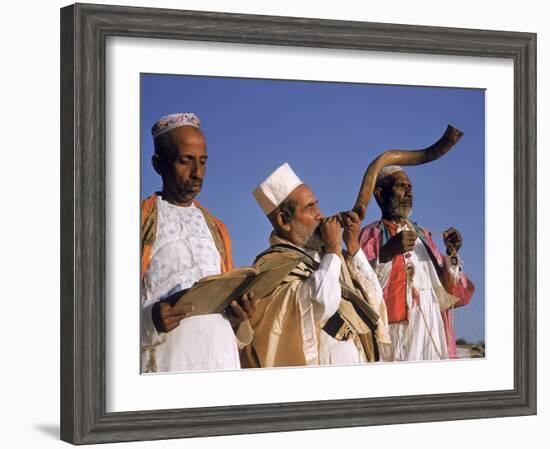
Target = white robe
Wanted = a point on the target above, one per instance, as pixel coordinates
(183, 253)
(319, 298)
(423, 336)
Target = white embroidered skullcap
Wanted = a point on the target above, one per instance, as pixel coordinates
(273, 191)
(171, 121)
(387, 171)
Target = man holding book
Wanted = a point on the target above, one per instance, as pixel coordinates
(181, 243)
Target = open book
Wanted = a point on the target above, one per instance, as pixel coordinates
(213, 294)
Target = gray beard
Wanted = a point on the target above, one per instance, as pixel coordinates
(311, 240)
(314, 241)
(187, 193)
(398, 210)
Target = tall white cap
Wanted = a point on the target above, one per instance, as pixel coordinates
(273, 191)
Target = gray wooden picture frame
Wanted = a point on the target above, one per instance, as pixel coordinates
(84, 29)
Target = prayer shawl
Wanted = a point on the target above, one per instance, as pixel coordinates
(277, 322)
(374, 236)
(149, 216)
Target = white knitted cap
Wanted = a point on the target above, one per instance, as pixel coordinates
(273, 191)
(387, 171)
(171, 121)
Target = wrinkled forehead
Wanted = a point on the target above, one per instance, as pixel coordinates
(181, 140)
(399, 176)
(187, 135)
(302, 196)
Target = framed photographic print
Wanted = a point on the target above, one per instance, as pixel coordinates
(326, 97)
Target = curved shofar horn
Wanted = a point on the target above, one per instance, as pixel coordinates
(403, 157)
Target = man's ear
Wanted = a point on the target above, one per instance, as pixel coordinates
(378, 195)
(157, 164)
(282, 222)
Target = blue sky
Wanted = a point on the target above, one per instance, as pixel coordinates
(329, 133)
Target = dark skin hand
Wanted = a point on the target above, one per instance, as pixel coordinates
(331, 231)
(352, 226)
(404, 241)
(168, 312)
(241, 309)
(452, 240)
(400, 243)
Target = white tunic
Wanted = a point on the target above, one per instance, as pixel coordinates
(183, 253)
(319, 298)
(423, 336)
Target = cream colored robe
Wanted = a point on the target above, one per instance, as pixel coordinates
(280, 338)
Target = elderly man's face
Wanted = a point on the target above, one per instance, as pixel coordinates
(183, 175)
(398, 196)
(307, 219)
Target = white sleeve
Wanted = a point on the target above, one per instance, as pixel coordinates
(148, 333)
(376, 297)
(244, 334)
(363, 265)
(319, 298)
(321, 290)
(383, 271)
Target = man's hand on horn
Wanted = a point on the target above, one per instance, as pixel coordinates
(352, 226)
(331, 235)
(400, 243)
